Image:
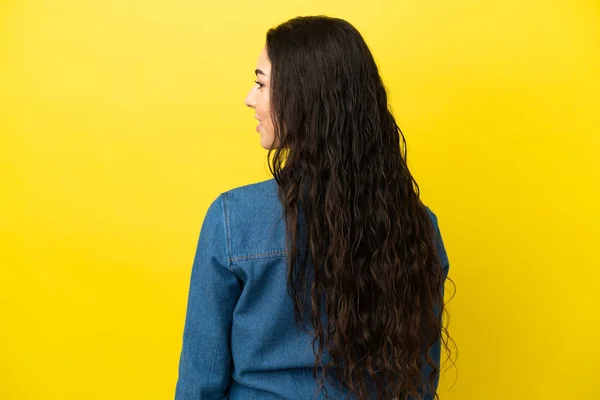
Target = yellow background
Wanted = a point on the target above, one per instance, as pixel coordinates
(121, 121)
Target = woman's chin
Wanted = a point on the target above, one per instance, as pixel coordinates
(266, 144)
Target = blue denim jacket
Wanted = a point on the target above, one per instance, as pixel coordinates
(240, 339)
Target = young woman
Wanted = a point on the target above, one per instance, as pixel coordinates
(326, 281)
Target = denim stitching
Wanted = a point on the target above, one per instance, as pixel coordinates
(273, 254)
(227, 231)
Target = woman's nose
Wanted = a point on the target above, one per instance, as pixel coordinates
(250, 99)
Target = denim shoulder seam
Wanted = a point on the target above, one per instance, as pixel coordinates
(227, 229)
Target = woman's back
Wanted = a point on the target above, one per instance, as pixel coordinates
(240, 339)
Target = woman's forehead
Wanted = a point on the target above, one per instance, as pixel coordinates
(264, 64)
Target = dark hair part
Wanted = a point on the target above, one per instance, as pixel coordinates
(353, 212)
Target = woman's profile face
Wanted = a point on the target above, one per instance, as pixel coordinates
(259, 100)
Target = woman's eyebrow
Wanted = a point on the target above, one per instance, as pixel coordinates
(258, 71)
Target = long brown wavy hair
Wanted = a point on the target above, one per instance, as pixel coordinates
(362, 251)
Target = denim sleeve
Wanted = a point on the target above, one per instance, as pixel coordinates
(435, 351)
(205, 360)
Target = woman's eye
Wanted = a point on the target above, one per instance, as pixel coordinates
(259, 84)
